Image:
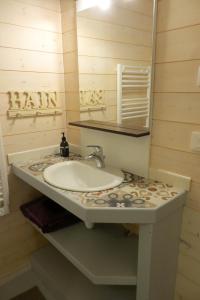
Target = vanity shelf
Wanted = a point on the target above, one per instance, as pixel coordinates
(65, 282)
(112, 128)
(105, 254)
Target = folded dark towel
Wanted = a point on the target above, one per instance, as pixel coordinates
(48, 215)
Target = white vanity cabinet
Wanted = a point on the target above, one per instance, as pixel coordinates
(107, 257)
(115, 265)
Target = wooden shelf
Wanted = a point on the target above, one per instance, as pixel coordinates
(112, 128)
(105, 254)
(64, 282)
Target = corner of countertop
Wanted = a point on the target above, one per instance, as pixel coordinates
(177, 180)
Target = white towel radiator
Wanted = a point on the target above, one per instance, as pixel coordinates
(133, 92)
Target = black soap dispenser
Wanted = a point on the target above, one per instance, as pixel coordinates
(64, 146)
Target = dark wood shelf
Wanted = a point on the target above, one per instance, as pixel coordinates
(112, 128)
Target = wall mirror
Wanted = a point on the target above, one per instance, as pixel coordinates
(115, 56)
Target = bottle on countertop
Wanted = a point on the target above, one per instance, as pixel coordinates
(64, 146)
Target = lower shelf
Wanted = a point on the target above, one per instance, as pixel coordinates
(105, 254)
(65, 282)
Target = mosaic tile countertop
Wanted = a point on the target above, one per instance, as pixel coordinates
(134, 192)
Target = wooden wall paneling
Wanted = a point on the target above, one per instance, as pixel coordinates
(73, 135)
(120, 16)
(101, 48)
(72, 115)
(68, 6)
(4, 104)
(186, 289)
(178, 107)
(194, 199)
(68, 14)
(30, 81)
(178, 45)
(140, 6)
(105, 65)
(175, 116)
(26, 38)
(173, 135)
(26, 141)
(174, 14)
(70, 60)
(190, 244)
(72, 100)
(110, 98)
(190, 266)
(26, 15)
(53, 5)
(71, 82)
(28, 125)
(177, 77)
(69, 41)
(70, 57)
(31, 60)
(176, 161)
(112, 32)
(110, 114)
(19, 193)
(191, 222)
(97, 81)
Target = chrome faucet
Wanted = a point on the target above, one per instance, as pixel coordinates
(97, 155)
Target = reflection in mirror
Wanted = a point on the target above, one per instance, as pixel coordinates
(115, 59)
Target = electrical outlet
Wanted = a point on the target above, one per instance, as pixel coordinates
(195, 141)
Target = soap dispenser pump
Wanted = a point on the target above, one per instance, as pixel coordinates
(64, 146)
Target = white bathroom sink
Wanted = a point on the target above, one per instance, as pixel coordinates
(82, 177)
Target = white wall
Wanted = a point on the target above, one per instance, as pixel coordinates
(128, 153)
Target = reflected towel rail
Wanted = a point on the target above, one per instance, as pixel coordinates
(133, 81)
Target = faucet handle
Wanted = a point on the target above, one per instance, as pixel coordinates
(97, 155)
(97, 148)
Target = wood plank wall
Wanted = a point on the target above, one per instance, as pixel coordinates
(121, 34)
(31, 59)
(176, 114)
(68, 13)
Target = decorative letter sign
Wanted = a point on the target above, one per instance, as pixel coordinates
(33, 104)
(92, 100)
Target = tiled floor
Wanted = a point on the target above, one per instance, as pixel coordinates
(33, 294)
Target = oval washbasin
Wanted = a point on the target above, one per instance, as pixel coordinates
(82, 177)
